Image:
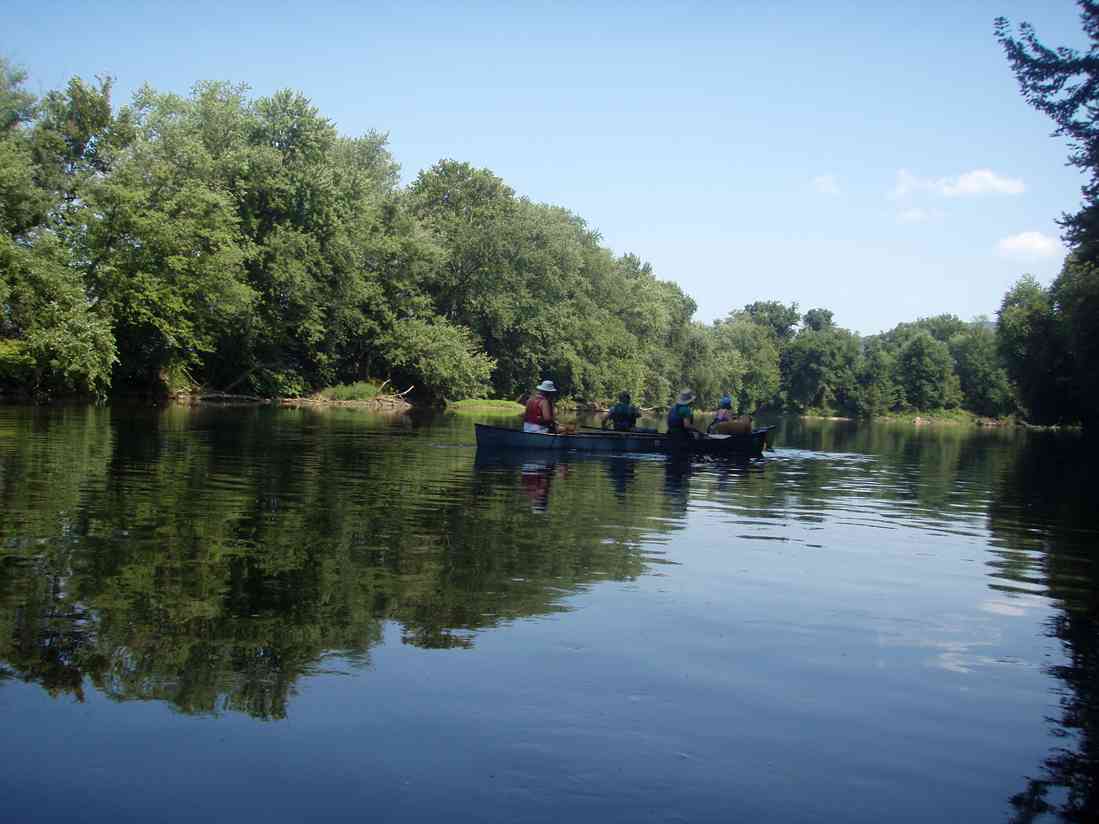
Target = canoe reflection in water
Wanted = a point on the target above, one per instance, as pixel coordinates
(537, 476)
(537, 470)
(677, 481)
(623, 474)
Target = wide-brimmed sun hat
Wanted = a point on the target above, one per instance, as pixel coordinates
(686, 396)
(546, 386)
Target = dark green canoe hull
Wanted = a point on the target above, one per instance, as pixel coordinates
(750, 444)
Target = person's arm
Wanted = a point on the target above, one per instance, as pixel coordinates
(689, 423)
(549, 415)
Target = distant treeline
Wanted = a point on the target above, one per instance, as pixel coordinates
(243, 245)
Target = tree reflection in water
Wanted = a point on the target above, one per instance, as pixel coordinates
(1051, 483)
(211, 559)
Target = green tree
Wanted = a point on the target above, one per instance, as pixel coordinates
(818, 369)
(165, 256)
(941, 327)
(1033, 347)
(985, 387)
(926, 372)
(1063, 84)
(55, 341)
(1075, 296)
(776, 316)
(52, 155)
(817, 320)
(711, 367)
(757, 382)
(23, 203)
(658, 315)
(476, 215)
(877, 388)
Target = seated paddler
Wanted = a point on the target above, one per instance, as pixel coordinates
(623, 415)
(724, 413)
(541, 414)
(681, 416)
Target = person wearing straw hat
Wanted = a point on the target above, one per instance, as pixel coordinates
(540, 415)
(681, 416)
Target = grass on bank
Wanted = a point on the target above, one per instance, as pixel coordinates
(945, 416)
(484, 405)
(358, 391)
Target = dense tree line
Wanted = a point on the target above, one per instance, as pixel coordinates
(1049, 336)
(241, 243)
(770, 356)
(244, 245)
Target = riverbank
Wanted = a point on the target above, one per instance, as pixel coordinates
(370, 396)
(951, 417)
(361, 395)
(941, 417)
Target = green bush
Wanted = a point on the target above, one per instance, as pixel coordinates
(16, 365)
(484, 405)
(278, 383)
(358, 391)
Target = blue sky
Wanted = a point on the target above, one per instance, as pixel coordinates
(874, 159)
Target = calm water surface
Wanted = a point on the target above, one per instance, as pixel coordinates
(280, 615)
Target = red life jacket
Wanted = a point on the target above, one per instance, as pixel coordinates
(534, 412)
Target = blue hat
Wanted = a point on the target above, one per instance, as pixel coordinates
(726, 402)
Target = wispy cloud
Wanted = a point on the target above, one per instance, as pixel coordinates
(969, 184)
(1030, 245)
(983, 182)
(826, 184)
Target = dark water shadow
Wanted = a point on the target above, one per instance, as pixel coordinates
(1046, 502)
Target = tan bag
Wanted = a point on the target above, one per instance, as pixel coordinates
(740, 425)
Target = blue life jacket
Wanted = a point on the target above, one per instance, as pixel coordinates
(678, 415)
(623, 415)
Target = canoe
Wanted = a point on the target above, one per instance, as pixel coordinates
(750, 444)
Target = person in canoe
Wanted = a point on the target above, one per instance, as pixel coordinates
(541, 414)
(681, 416)
(724, 413)
(623, 415)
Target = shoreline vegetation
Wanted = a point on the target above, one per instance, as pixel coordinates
(362, 395)
(240, 250)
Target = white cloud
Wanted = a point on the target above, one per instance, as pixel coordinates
(906, 184)
(826, 184)
(1030, 245)
(982, 182)
(969, 184)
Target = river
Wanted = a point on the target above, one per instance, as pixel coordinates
(288, 614)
